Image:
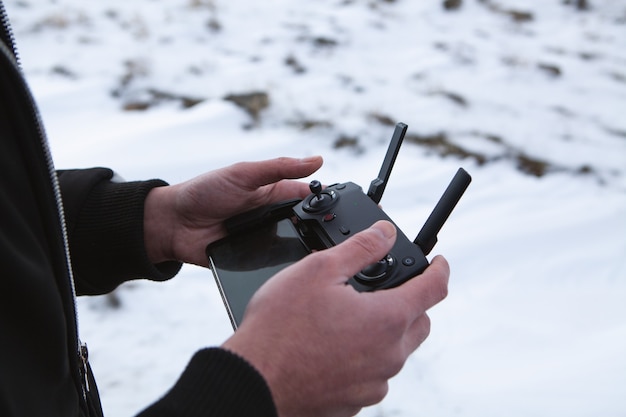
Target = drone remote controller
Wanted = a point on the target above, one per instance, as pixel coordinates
(331, 215)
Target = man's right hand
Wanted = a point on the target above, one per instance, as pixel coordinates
(326, 349)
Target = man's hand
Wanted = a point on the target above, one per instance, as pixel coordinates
(326, 349)
(181, 220)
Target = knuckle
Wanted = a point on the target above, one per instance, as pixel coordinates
(419, 333)
(441, 289)
(437, 290)
(377, 394)
(350, 411)
(283, 160)
(395, 364)
(370, 393)
(424, 327)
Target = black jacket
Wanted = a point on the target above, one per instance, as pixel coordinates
(46, 215)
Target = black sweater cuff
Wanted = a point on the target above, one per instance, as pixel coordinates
(216, 383)
(106, 232)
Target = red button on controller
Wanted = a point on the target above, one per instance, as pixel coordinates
(329, 217)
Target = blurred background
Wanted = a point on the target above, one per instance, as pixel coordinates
(528, 96)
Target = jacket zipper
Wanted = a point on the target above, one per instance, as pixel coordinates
(7, 35)
(81, 349)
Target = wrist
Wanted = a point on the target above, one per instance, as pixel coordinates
(158, 221)
(266, 362)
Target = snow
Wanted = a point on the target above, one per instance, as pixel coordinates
(535, 323)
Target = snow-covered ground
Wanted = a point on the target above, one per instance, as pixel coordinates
(528, 96)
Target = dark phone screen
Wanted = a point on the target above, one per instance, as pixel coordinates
(242, 263)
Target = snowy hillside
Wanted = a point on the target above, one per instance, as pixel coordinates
(528, 96)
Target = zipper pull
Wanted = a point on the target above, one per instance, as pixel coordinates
(83, 355)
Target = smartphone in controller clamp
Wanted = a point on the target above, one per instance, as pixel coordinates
(265, 240)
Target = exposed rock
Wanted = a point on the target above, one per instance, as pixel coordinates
(253, 102)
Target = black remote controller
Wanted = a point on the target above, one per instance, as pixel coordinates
(331, 215)
(342, 210)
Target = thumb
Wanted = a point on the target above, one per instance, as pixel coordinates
(364, 248)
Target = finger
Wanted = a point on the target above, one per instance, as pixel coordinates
(362, 249)
(423, 291)
(252, 175)
(287, 189)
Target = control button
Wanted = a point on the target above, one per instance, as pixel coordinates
(345, 230)
(340, 186)
(329, 217)
(408, 261)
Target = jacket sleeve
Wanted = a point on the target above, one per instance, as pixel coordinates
(105, 230)
(216, 383)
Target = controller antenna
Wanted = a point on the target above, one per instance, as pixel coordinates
(427, 237)
(377, 186)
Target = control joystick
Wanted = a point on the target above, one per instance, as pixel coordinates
(316, 187)
(319, 200)
(376, 272)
